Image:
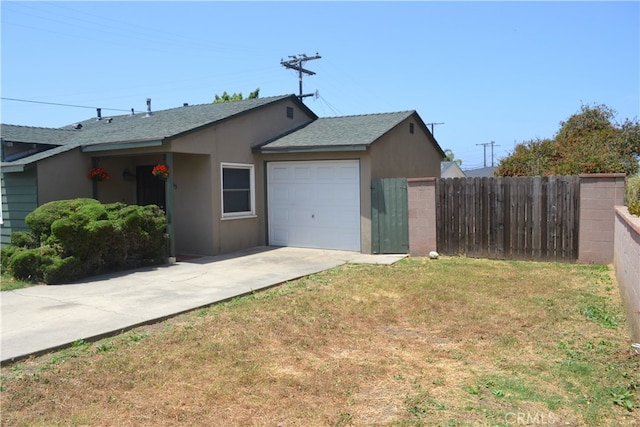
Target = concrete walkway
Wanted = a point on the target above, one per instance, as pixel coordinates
(44, 318)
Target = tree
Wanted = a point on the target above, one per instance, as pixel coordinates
(588, 142)
(451, 157)
(235, 97)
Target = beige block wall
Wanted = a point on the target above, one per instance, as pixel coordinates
(626, 260)
(421, 195)
(599, 194)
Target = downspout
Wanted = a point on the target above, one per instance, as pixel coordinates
(169, 187)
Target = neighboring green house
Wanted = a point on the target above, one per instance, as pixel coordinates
(263, 171)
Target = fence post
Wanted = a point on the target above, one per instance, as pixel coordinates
(599, 194)
(421, 195)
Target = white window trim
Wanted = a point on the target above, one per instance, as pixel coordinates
(252, 197)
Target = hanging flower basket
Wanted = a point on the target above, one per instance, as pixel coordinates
(98, 173)
(160, 171)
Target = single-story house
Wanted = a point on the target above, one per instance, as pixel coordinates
(263, 171)
(451, 170)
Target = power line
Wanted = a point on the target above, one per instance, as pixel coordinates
(62, 105)
(296, 63)
(484, 145)
(432, 125)
(331, 107)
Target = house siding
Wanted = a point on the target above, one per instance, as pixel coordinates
(401, 154)
(193, 204)
(198, 224)
(19, 197)
(64, 177)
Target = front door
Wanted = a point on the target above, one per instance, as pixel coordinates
(150, 190)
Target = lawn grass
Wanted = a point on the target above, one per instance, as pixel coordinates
(448, 342)
(10, 283)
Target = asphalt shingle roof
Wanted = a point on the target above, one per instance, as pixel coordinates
(128, 128)
(28, 134)
(164, 123)
(343, 131)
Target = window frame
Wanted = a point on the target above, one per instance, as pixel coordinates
(251, 213)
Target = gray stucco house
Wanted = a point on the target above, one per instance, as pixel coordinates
(263, 171)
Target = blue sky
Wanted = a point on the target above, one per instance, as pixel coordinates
(490, 71)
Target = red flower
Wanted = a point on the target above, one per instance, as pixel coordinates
(160, 171)
(98, 173)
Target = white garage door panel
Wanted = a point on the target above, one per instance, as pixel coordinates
(314, 204)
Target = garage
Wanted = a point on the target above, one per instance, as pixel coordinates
(314, 204)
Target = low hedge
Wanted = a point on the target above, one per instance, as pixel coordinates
(71, 239)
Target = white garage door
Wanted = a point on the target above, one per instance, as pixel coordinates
(314, 204)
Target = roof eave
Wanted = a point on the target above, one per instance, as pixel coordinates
(314, 149)
(12, 168)
(426, 129)
(124, 145)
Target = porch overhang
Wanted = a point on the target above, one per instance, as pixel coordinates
(113, 146)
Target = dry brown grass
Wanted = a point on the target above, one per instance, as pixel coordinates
(446, 342)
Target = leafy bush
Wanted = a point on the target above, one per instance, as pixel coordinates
(590, 141)
(40, 220)
(6, 253)
(29, 264)
(632, 195)
(23, 239)
(63, 270)
(71, 239)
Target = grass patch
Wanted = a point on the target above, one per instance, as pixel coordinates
(10, 283)
(452, 342)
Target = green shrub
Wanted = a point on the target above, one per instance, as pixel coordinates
(23, 239)
(632, 195)
(82, 237)
(63, 270)
(40, 220)
(6, 253)
(29, 264)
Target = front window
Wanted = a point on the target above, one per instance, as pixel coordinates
(237, 190)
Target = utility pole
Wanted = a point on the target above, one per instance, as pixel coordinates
(432, 124)
(484, 145)
(296, 63)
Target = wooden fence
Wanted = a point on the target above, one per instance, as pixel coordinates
(532, 218)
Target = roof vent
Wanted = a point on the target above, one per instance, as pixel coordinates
(99, 114)
(76, 126)
(148, 107)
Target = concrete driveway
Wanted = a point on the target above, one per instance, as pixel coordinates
(43, 318)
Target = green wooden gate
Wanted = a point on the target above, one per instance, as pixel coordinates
(389, 216)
